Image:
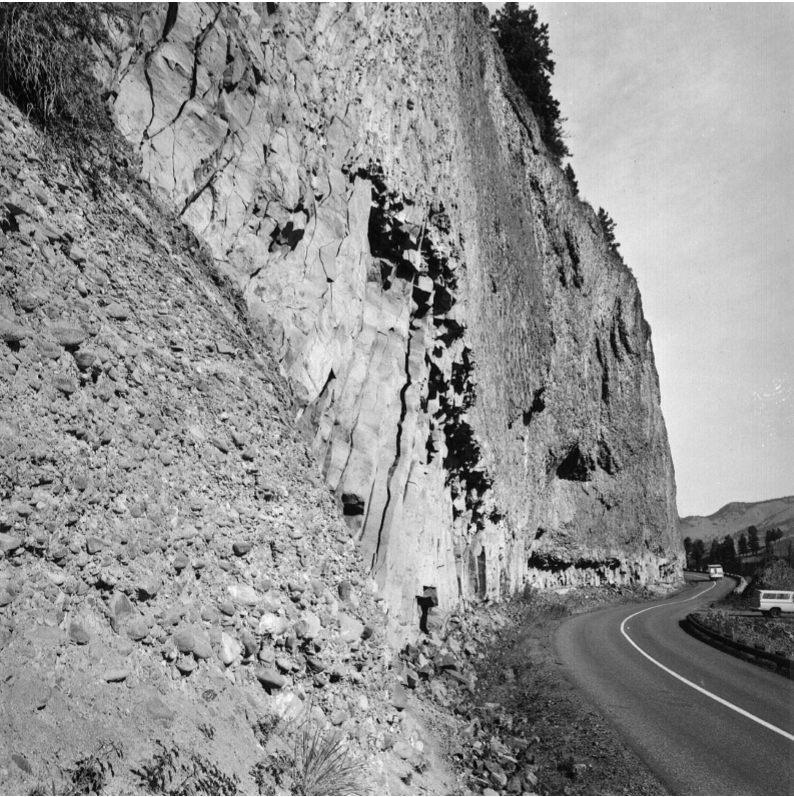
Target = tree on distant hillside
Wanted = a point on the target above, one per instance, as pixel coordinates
(697, 554)
(727, 551)
(714, 551)
(743, 544)
(771, 536)
(752, 536)
(525, 45)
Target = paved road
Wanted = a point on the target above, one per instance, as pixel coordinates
(692, 742)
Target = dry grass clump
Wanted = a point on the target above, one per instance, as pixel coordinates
(302, 757)
(323, 764)
(47, 60)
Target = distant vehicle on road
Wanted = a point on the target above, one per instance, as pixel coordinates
(715, 572)
(773, 602)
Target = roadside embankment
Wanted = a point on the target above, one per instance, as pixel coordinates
(527, 729)
(768, 643)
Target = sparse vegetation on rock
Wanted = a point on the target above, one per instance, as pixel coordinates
(323, 764)
(524, 41)
(171, 771)
(608, 226)
(572, 181)
(775, 574)
(47, 61)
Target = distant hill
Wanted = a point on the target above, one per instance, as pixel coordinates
(735, 517)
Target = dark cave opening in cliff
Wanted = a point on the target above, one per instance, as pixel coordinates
(538, 405)
(576, 467)
(352, 505)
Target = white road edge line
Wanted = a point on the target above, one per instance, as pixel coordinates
(681, 678)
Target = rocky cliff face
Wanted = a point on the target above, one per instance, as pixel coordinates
(473, 369)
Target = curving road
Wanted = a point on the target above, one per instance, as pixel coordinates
(705, 722)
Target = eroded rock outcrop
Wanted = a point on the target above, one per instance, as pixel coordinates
(474, 371)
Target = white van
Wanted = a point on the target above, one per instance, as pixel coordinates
(715, 572)
(773, 602)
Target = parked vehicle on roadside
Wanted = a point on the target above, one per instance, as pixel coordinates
(715, 572)
(773, 602)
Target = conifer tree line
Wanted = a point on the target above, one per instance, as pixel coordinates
(524, 42)
(728, 551)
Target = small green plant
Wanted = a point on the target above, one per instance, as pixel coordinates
(267, 775)
(208, 730)
(567, 766)
(173, 773)
(323, 764)
(275, 771)
(88, 775)
(264, 728)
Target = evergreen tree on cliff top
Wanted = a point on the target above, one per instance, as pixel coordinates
(525, 45)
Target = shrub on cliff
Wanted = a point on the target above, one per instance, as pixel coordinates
(525, 45)
(572, 181)
(47, 60)
(608, 226)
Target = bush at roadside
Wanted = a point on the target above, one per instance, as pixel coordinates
(775, 636)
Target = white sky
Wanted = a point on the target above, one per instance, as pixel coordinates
(681, 123)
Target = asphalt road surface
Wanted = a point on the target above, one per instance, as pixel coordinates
(704, 721)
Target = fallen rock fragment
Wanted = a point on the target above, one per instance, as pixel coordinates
(77, 254)
(67, 335)
(157, 709)
(202, 648)
(78, 634)
(148, 588)
(11, 332)
(185, 641)
(28, 302)
(117, 311)
(84, 359)
(270, 678)
(230, 650)
(399, 697)
(241, 548)
(186, 666)
(116, 676)
(243, 593)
